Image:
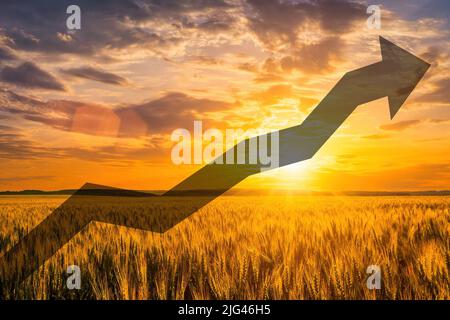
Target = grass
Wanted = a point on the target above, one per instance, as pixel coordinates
(250, 247)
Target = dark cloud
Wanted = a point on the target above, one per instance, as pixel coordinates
(8, 97)
(19, 147)
(3, 117)
(41, 25)
(436, 55)
(96, 75)
(7, 54)
(414, 10)
(29, 75)
(281, 25)
(440, 93)
(276, 22)
(60, 115)
(53, 113)
(402, 125)
(314, 58)
(16, 146)
(210, 23)
(175, 110)
(160, 116)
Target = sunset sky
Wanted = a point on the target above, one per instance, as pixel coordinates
(99, 104)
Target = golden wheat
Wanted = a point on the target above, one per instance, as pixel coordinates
(276, 247)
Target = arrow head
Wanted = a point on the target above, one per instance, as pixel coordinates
(407, 70)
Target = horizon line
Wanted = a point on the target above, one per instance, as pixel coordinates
(246, 191)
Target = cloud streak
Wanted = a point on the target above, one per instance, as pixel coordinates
(95, 74)
(7, 54)
(400, 126)
(29, 75)
(159, 116)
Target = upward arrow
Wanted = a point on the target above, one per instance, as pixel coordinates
(395, 77)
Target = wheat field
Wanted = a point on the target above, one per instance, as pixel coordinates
(250, 247)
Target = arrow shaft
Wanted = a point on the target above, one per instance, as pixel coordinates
(300, 142)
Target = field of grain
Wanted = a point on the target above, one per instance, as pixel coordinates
(250, 247)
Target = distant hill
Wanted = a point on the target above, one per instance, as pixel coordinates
(37, 192)
(94, 192)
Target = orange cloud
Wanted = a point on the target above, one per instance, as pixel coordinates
(402, 125)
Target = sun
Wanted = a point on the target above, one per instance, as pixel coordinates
(293, 177)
